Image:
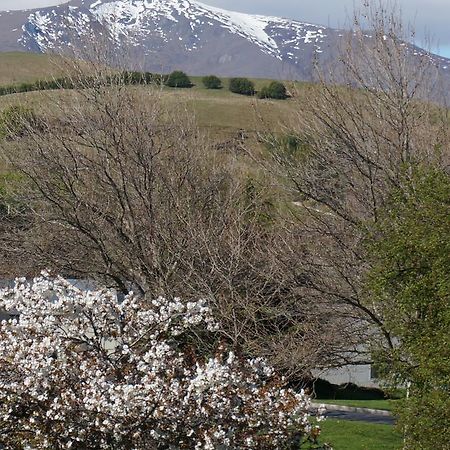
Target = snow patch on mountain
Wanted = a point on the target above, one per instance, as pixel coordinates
(42, 27)
(246, 25)
(157, 26)
(130, 22)
(129, 19)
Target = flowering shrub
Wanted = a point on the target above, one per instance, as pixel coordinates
(79, 369)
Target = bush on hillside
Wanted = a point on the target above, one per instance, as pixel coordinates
(10, 205)
(83, 370)
(242, 86)
(212, 82)
(291, 148)
(275, 90)
(178, 79)
(15, 120)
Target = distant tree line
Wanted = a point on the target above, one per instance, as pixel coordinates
(176, 79)
(125, 77)
(40, 85)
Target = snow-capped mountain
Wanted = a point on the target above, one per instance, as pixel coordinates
(162, 35)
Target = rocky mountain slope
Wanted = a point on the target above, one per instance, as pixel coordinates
(163, 35)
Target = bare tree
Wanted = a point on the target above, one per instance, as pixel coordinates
(359, 132)
(118, 184)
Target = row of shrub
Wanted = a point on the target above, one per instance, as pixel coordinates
(244, 86)
(177, 79)
(126, 77)
(41, 85)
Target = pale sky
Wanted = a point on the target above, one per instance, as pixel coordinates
(430, 17)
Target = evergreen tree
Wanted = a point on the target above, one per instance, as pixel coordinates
(212, 82)
(275, 90)
(242, 86)
(178, 79)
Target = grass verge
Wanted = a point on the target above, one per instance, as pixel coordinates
(352, 435)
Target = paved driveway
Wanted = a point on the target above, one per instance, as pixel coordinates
(361, 416)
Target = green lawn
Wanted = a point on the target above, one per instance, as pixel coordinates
(373, 404)
(352, 435)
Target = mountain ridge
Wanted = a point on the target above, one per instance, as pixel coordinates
(163, 35)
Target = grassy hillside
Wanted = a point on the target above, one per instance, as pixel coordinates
(218, 110)
(20, 67)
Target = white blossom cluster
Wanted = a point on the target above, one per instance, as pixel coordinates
(82, 370)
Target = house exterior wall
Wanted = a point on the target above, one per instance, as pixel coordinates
(361, 375)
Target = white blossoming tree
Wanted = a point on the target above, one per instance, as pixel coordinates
(82, 370)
